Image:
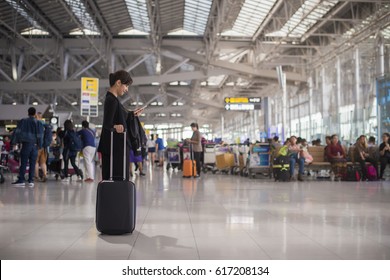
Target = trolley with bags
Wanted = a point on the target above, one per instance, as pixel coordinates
(208, 157)
(259, 161)
(173, 155)
(116, 200)
(224, 159)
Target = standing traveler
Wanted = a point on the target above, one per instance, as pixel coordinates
(384, 152)
(160, 148)
(72, 145)
(43, 152)
(114, 118)
(151, 144)
(87, 136)
(196, 146)
(29, 133)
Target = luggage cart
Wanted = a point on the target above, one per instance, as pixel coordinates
(224, 160)
(209, 157)
(260, 160)
(173, 158)
(242, 159)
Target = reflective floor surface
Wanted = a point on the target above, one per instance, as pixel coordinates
(213, 217)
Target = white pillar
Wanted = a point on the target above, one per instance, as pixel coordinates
(310, 84)
(357, 114)
(338, 94)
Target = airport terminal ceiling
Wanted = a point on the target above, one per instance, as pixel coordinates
(185, 56)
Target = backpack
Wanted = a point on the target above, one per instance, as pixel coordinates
(281, 168)
(47, 136)
(75, 143)
(371, 173)
(353, 174)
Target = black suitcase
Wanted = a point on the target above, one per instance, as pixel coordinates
(281, 168)
(116, 202)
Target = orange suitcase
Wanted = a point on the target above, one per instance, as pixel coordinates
(189, 168)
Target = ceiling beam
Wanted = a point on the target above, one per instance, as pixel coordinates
(142, 80)
(237, 67)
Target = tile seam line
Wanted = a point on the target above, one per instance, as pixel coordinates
(192, 228)
(139, 232)
(33, 230)
(244, 231)
(74, 242)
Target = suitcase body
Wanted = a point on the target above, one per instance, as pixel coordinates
(116, 202)
(189, 169)
(281, 168)
(115, 207)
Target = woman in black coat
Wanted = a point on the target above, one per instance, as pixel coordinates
(115, 116)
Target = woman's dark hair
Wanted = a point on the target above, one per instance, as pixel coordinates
(85, 124)
(31, 111)
(121, 75)
(68, 125)
(195, 125)
(388, 136)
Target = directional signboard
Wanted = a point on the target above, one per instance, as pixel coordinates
(89, 96)
(242, 103)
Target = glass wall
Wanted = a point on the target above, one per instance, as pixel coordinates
(339, 98)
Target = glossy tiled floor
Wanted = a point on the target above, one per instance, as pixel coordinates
(214, 217)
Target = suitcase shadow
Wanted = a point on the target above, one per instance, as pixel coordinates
(146, 243)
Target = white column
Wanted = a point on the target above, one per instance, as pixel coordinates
(338, 94)
(284, 102)
(357, 115)
(310, 83)
(222, 126)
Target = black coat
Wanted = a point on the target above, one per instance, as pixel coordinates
(114, 114)
(137, 136)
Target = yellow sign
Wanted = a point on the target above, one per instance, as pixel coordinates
(89, 96)
(233, 100)
(90, 84)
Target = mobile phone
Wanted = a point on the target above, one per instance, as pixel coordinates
(142, 108)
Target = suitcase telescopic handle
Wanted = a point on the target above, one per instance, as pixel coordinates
(112, 156)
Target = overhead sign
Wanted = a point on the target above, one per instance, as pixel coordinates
(242, 107)
(243, 103)
(89, 96)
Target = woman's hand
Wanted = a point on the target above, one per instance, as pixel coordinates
(138, 111)
(119, 128)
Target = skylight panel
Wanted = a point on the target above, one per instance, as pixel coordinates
(251, 16)
(196, 14)
(304, 18)
(85, 31)
(182, 32)
(364, 23)
(33, 31)
(36, 29)
(138, 11)
(132, 31)
(80, 11)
